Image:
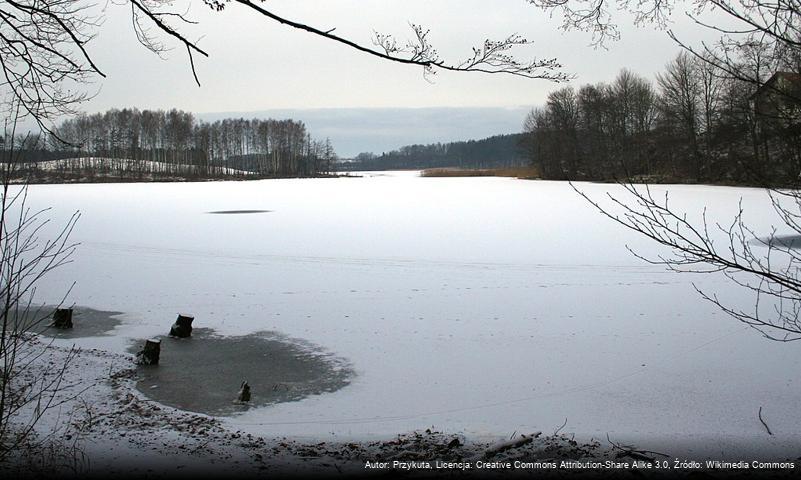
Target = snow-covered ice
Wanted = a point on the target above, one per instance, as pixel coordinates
(479, 305)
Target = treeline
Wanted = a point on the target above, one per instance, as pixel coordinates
(155, 144)
(492, 152)
(694, 124)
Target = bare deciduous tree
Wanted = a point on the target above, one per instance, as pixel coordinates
(29, 387)
(680, 102)
(759, 38)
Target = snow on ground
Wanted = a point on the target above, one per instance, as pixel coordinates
(475, 305)
(111, 429)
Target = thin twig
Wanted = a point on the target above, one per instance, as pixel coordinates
(763, 421)
(556, 432)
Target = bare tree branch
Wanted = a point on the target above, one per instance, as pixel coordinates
(771, 273)
(491, 57)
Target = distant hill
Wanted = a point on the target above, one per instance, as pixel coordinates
(493, 152)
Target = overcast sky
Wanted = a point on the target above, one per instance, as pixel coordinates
(257, 65)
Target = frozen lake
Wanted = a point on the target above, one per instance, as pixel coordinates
(476, 305)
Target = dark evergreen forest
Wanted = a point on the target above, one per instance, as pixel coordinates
(493, 152)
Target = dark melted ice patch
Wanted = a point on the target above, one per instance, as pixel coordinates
(87, 322)
(780, 241)
(237, 212)
(203, 373)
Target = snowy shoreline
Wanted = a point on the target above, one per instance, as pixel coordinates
(117, 430)
(113, 429)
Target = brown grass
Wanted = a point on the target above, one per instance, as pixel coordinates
(517, 172)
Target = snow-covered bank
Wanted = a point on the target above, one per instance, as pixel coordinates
(110, 429)
(104, 426)
(482, 306)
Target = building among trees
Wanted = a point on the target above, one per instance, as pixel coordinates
(777, 111)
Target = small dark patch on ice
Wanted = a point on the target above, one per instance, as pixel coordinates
(87, 322)
(204, 373)
(237, 212)
(780, 241)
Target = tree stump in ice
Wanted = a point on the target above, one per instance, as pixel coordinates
(62, 318)
(183, 326)
(150, 353)
(244, 393)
